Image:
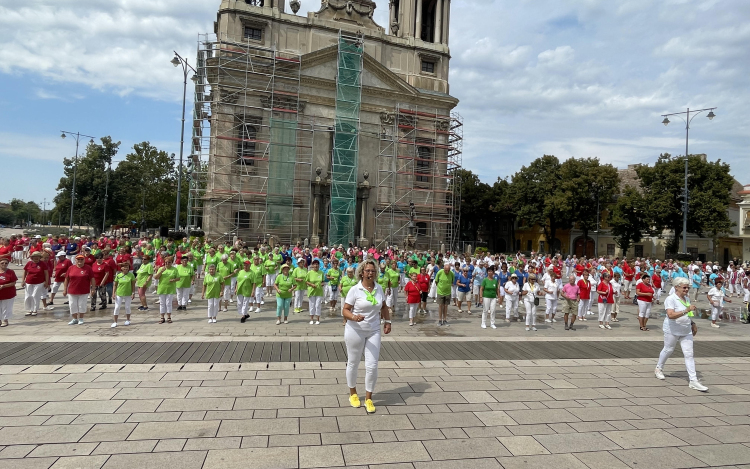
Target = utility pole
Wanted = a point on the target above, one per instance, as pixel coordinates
(78, 136)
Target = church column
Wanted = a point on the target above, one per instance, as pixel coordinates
(438, 22)
(315, 239)
(392, 16)
(446, 20)
(418, 23)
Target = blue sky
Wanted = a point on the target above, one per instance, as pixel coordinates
(577, 78)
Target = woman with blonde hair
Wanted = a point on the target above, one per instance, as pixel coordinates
(364, 306)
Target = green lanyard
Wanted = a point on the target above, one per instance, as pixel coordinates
(370, 297)
(686, 304)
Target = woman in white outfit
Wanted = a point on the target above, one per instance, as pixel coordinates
(716, 299)
(550, 295)
(530, 292)
(679, 327)
(364, 307)
(606, 293)
(512, 290)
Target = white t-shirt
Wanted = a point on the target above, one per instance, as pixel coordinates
(681, 325)
(357, 297)
(717, 296)
(512, 289)
(532, 292)
(616, 287)
(550, 286)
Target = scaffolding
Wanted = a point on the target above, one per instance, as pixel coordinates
(417, 199)
(346, 139)
(251, 150)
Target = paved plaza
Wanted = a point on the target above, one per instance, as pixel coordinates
(257, 395)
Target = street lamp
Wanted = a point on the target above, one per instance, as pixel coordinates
(77, 136)
(687, 119)
(178, 60)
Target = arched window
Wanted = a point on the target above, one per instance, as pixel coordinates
(247, 133)
(423, 164)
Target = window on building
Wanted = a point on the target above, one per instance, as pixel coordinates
(423, 164)
(421, 228)
(256, 3)
(541, 246)
(243, 220)
(428, 67)
(610, 249)
(638, 250)
(247, 132)
(253, 33)
(528, 245)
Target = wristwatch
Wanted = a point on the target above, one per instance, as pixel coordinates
(387, 321)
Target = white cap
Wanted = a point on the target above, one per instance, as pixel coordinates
(61, 254)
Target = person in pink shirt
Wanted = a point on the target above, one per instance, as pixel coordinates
(570, 293)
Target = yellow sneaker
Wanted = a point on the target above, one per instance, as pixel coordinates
(369, 406)
(354, 401)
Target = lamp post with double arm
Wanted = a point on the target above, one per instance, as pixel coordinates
(178, 60)
(77, 136)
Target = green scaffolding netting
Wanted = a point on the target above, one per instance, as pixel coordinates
(346, 141)
(282, 157)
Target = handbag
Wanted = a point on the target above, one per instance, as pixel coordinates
(536, 301)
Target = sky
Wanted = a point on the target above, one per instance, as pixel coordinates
(582, 78)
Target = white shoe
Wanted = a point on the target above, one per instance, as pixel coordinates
(231, 300)
(80, 321)
(317, 323)
(50, 308)
(114, 324)
(493, 326)
(127, 323)
(713, 324)
(528, 328)
(697, 386)
(601, 326)
(607, 326)
(659, 374)
(286, 321)
(533, 328)
(190, 301)
(262, 302)
(157, 301)
(73, 322)
(312, 322)
(554, 320)
(484, 327)
(209, 320)
(547, 320)
(213, 320)
(278, 321)
(257, 310)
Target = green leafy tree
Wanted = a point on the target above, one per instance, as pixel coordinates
(474, 203)
(628, 219)
(588, 187)
(709, 187)
(502, 208)
(538, 197)
(91, 185)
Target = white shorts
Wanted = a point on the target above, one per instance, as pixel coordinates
(463, 295)
(227, 292)
(56, 286)
(78, 303)
(270, 279)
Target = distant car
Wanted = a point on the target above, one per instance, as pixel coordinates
(17, 227)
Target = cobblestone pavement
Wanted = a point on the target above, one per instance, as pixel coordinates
(564, 414)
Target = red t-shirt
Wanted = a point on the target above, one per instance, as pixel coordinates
(424, 282)
(17, 245)
(89, 261)
(122, 258)
(5, 252)
(35, 272)
(557, 271)
(642, 287)
(605, 287)
(5, 278)
(79, 280)
(99, 271)
(61, 268)
(579, 269)
(584, 289)
(656, 280)
(413, 294)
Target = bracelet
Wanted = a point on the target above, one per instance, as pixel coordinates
(387, 321)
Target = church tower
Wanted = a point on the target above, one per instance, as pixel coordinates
(426, 20)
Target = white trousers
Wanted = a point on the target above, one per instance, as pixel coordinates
(716, 312)
(358, 341)
(511, 305)
(605, 310)
(258, 295)
(78, 304)
(413, 310)
(488, 307)
(583, 307)
(233, 285)
(227, 293)
(530, 312)
(392, 299)
(165, 304)
(644, 309)
(6, 309)
(551, 307)
(213, 307)
(34, 295)
(686, 343)
(183, 295)
(243, 304)
(121, 301)
(299, 295)
(657, 294)
(314, 302)
(56, 286)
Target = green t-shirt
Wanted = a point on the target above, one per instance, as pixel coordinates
(421, 262)
(393, 276)
(156, 243)
(236, 264)
(413, 270)
(316, 278)
(245, 283)
(270, 266)
(257, 271)
(186, 275)
(300, 275)
(285, 284)
(346, 285)
(339, 255)
(383, 280)
(165, 286)
(144, 272)
(444, 282)
(212, 260)
(334, 275)
(124, 284)
(490, 288)
(225, 269)
(213, 285)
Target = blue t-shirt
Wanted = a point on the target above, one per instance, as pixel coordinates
(478, 275)
(697, 280)
(465, 280)
(522, 278)
(70, 248)
(712, 279)
(401, 266)
(503, 277)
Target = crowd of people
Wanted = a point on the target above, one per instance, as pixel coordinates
(366, 284)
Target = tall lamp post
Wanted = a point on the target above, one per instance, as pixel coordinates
(106, 191)
(687, 119)
(77, 136)
(178, 60)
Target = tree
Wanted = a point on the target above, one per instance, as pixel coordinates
(91, 185)
(475, 196)
(588, 186)
(709, 187)
(538, 197)
(502, 207)
(627, 219)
